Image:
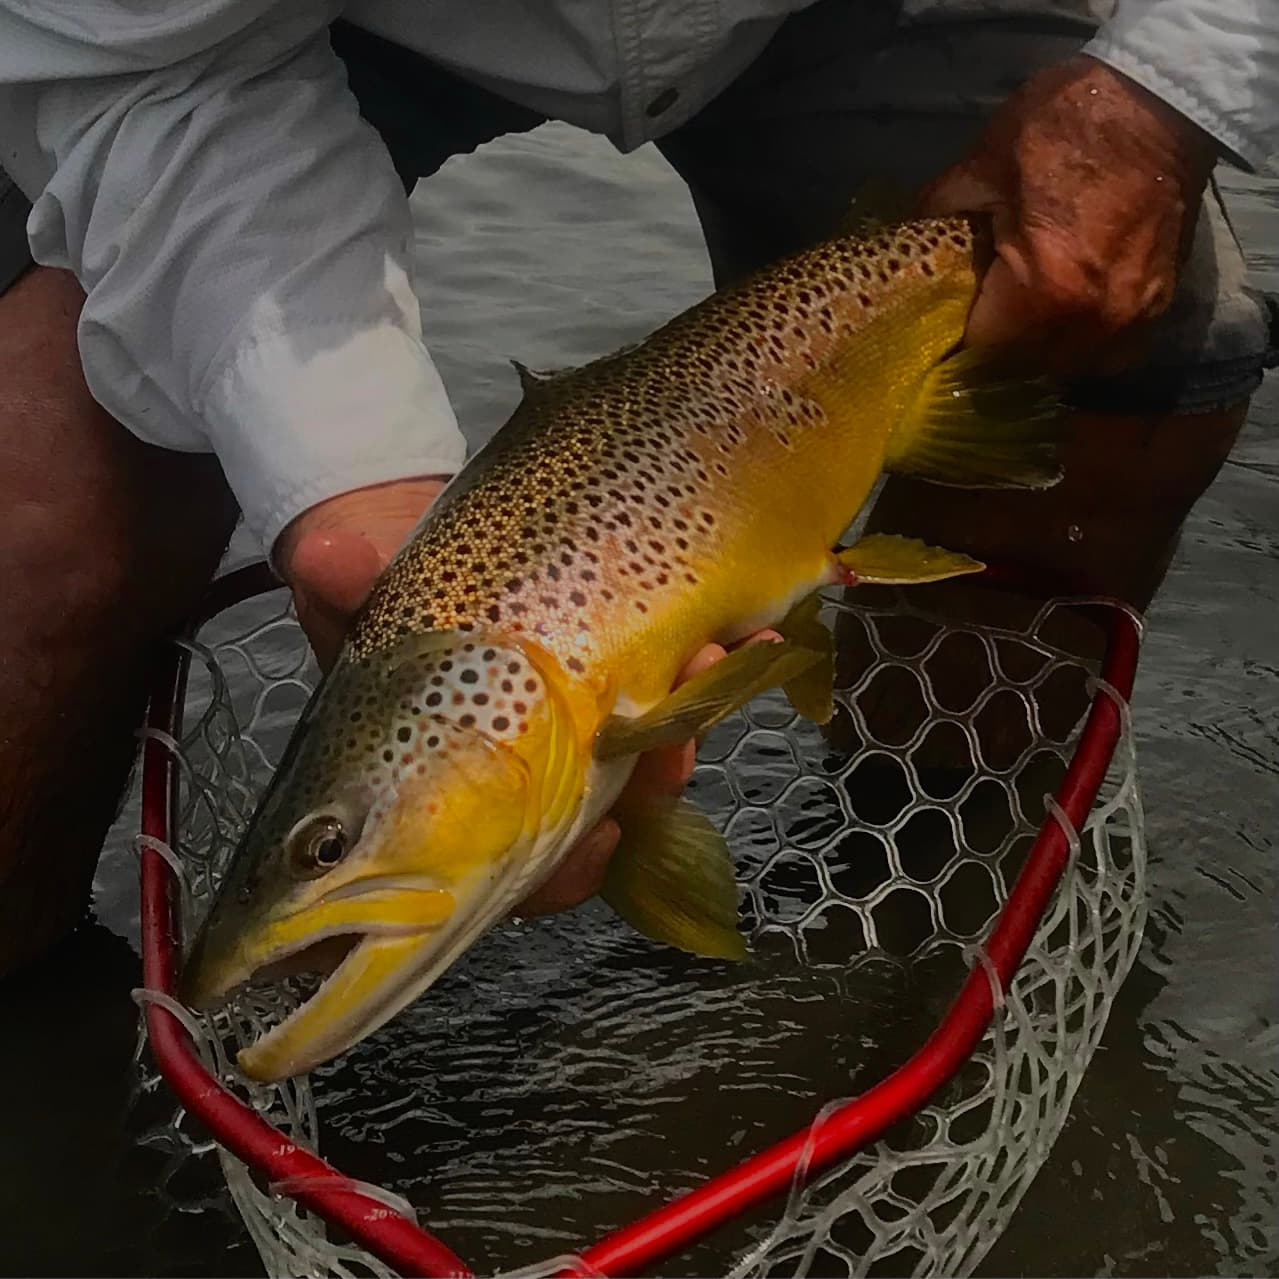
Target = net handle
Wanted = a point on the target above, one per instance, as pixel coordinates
(412, 1251)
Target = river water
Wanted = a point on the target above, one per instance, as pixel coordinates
(551, 248)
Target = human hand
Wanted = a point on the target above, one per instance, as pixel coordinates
(1094, 187)
(660, 772)
(331, 555)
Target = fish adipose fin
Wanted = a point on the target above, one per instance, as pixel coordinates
(811, 692)
(979, 422)
(888, 560)
(671, 879)
(707, 698)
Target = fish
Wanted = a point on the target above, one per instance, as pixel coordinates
(517, 655)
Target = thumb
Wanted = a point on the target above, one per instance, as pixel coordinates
(1005, 308)
(963, 188)
(331, 573)
(334, 568)
(967, 188)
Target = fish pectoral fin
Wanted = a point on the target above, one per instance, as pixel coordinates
(701, 702)
(671, 879)
(887, 559)
(980, 422)
(812, 691)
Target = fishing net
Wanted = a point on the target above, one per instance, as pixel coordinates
(873, 856)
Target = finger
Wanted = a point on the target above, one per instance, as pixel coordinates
(323, 629)
(334, 568)
(662, 772)
(1005, 309)
(963, 188)
(579, 877)
(702, 660)
(331, 572)
(766, 636)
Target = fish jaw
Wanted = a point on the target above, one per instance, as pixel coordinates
(444, 846)
(377, 978)
(393, 907)
(384, 973)
(353, 1001)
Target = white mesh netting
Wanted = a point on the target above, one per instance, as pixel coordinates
(873, 856)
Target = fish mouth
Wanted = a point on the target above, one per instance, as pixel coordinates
(364, 941)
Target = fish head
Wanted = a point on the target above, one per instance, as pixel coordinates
(383, 845)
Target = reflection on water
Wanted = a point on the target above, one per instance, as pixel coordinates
(550, 249)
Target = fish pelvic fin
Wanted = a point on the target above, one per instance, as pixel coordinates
(812, 691)
(887, 559)
(671, 879)
(701, 702)
(979, 421)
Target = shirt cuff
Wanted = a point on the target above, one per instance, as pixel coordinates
(1122, 48)
(298, 419)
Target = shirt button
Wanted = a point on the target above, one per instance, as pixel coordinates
(663, 102)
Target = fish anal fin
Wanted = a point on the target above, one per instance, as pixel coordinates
(887, 559)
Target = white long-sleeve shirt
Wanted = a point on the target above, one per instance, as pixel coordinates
(244, 242)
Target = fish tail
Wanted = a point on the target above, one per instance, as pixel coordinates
(979, 421)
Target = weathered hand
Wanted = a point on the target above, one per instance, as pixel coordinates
(330, 557)
(1094, 186)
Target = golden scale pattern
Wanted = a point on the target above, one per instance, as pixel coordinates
(606, 488)
(603, 488)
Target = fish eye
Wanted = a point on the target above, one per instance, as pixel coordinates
(317, 846)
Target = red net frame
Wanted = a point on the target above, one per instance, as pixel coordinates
(399, 1241)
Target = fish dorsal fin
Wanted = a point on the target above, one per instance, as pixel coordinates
(533, 381)
(978, 421)
(886, 559)
(811, 692)
(671, 879)
(704, 700)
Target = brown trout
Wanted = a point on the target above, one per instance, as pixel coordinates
(518, 654)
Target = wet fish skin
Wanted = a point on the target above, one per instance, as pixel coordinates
(519, 651)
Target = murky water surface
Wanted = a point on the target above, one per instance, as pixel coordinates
(552, 249)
